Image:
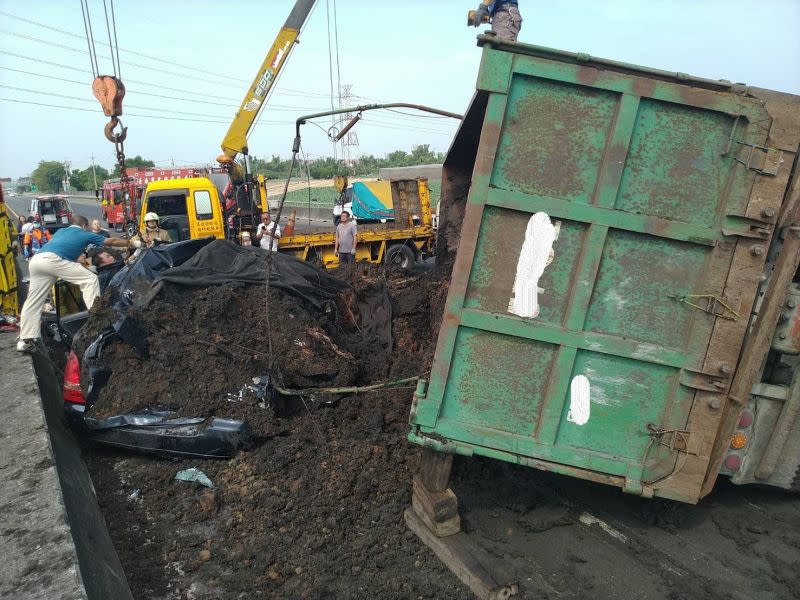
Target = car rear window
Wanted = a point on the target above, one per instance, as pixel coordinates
(52, 207)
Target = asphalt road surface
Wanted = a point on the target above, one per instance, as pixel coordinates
(86, 206)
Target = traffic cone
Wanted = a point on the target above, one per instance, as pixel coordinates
(288, 231)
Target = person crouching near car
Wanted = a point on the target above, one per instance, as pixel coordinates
(152, 232)
(106, 263)
(57, 259)
(35, 239)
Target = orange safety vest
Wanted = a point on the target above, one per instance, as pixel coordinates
(36, 239)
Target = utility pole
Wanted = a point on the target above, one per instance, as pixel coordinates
(66, 175)
(94, 174)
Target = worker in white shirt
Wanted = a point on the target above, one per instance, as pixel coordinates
(268, 233)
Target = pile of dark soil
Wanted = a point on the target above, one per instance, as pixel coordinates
(206, 346)
(314, 512)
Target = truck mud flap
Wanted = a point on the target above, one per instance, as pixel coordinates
(152, 432)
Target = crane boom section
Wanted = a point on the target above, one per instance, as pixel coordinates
(236, 138)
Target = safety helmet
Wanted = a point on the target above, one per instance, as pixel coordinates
(151, 216)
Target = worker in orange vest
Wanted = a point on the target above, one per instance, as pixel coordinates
(35, 239)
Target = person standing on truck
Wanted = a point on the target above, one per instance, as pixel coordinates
(268, 233)
(152, 232)
(346, 239)
(57, 260)
(33, 241)
(505, 18)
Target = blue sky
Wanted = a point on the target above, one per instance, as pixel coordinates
(415, 50)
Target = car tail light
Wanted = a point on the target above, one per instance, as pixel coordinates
(72, 381)
(733, 462)
(738, 441)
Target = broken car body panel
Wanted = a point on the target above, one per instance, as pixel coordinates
(612, 244)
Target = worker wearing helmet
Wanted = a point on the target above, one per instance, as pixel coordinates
(504, 15)
(152, 232)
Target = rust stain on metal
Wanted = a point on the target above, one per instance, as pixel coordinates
(643, 87)
(588, 75)
(697, 96)
(557, 157)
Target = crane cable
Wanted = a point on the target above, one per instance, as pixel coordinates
(110, 92)
(87, 26)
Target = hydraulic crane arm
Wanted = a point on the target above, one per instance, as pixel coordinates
(235, 140)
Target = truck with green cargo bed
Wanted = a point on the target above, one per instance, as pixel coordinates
(624, 296)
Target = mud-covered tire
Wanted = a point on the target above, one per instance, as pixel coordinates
(400, 255)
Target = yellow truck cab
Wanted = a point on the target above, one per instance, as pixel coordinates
(188, 208)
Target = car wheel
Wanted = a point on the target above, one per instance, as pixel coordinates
(400, 255)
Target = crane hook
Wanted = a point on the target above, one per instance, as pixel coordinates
(115, 138)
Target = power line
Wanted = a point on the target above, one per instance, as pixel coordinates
(136, 91)
(44, 62)
(71, 68)
(287, 91)
(111, 58)
(381, 125)
(75, 108)
(417, 115)
(272, 107)
(94, 111)
(426, 126)
(149, 84)
(171, 111)
(142, 54)
(131, 91)
(134, 114)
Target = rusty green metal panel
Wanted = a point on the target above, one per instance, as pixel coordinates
(639, 179)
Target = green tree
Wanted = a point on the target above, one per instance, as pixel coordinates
(84, 180)
(48, 176)
(136, 161)
(275, 168)
(398, 158)
(423, 155)
(326, 168)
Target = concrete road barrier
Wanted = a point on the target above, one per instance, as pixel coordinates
(55, 541)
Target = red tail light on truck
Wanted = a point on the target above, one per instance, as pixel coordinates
(72, 381)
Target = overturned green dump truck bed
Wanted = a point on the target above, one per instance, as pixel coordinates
(610, 226)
